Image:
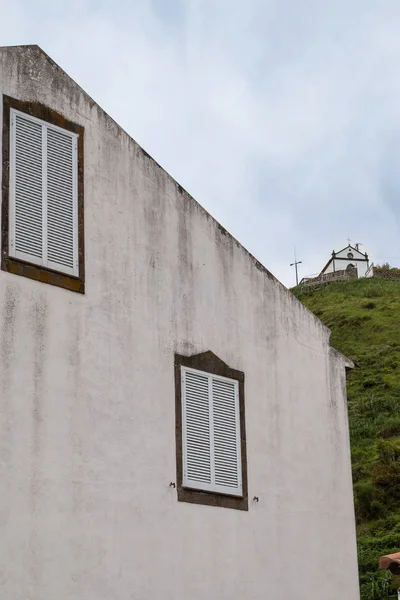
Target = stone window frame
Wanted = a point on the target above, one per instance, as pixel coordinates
(209, 363)
(14, 265)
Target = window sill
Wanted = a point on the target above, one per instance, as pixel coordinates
(67, 282)
(212, 499)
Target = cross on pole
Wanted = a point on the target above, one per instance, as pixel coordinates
(295, 263)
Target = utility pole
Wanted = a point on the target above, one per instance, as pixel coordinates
(295, 263)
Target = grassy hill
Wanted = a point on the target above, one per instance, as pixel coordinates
(364, 317)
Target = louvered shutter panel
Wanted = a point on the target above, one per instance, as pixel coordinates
(226, 435)
(60, 200)
(211, 433)
(43, 194)
(27, 188)
(196, 428)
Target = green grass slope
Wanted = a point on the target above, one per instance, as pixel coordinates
(364, 317)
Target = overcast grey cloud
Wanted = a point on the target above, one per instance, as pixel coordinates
(282, 118)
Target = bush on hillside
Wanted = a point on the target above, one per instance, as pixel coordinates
(386, 271)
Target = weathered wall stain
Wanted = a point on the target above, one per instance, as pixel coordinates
(7, 356)
(38, 316)
(38, 325)
(7, 333)
(183, 287)
(76, 432)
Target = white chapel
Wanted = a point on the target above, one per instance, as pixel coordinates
(347, 259)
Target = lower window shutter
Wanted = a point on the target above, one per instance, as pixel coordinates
(196, 429)
(211, 433)
(226, 435)
(26, 189)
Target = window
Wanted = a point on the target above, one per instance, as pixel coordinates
(211, 447)
(42, 233)
(43, 194)
(211, 432)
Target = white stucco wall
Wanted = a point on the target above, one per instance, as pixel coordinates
(370, 271)
(330, 268)
(362, 268)
(87, 417)
(339, 265)
(356, 253)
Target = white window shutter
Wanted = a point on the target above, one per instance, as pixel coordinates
(226, 434)
(211, 433)
(43, 194)
(61, 201)
(26, 235)
(196, 419)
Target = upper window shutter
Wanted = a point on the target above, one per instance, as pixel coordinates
(61, 201)
(27, 189)
(211, 433)
(43, 194)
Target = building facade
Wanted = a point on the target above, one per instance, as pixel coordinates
(173, 422)
(348, 258)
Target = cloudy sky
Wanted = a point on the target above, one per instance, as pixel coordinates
(281, 117)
